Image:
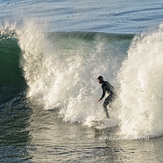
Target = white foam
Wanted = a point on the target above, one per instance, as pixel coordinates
(141, 86)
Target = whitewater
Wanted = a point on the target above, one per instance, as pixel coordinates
(61, 70)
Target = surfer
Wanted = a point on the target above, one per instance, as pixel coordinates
(107, 88)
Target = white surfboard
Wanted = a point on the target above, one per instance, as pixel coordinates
(104, 123)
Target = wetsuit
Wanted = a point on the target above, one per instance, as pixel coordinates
(107, 88)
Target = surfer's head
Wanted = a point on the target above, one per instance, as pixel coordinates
(100, 79)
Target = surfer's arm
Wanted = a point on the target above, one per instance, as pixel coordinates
(103, 94)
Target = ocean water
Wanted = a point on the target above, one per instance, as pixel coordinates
(51, 53)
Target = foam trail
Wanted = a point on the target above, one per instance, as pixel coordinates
(141, 86)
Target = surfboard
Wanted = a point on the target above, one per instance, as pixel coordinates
(104, 123)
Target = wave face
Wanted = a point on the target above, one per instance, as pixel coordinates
(11, 79)
(60, 70)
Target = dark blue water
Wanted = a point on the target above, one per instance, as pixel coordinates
(104, 16)
(51, 53)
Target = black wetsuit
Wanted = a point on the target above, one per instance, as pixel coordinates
(107, 88)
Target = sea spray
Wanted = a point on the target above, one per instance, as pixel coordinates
(35, 61)
(61, 70)
(141, 86)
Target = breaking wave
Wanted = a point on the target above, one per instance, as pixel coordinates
(59, 70)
